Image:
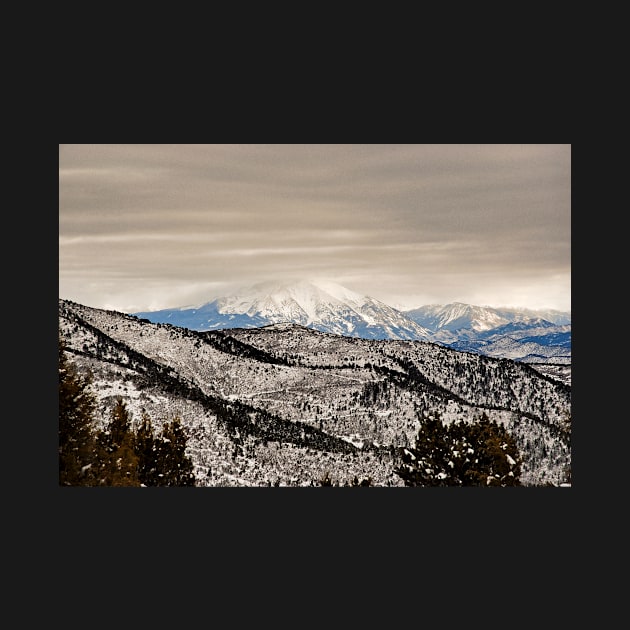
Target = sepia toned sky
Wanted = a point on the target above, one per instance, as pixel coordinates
(151, 226)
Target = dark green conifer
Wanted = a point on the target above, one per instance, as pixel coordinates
(173, 466)
(480, 453)
(145, 449)
(424, 465)
(120, 465)
(78, 449)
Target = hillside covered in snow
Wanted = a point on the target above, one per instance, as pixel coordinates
(288, 405)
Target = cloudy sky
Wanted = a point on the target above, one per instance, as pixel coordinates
(150, 226)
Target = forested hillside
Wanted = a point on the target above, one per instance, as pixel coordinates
(287, 405)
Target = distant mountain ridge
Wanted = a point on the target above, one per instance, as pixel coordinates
(458, 316)
(321, 305)
(520, 334)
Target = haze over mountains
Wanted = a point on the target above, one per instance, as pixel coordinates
(519, 334)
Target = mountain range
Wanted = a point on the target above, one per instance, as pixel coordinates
(286, 405)
(525, 335)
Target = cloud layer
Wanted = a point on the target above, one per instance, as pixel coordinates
(156, 226)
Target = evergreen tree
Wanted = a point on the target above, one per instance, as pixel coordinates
(424, 465)
(480, 453)
(120, 464)
(120, 425)
(565, 432)
(365, 482)
(326, 481)
(492, 454)
(173, 466)
(78, 448)
(145, 449)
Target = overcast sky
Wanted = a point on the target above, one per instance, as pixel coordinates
(144, 227)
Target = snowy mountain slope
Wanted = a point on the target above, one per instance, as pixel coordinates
(528, 340)
(208, 316)
(457, 316)
(287, 404)
(330, 307)
(522, 335)
(320, 305)
(525, 350)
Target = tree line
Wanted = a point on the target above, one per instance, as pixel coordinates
(116, 455)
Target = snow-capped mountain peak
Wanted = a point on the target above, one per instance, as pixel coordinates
(303, 302)
(457, 316)
(320, 304)
(330, 307)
